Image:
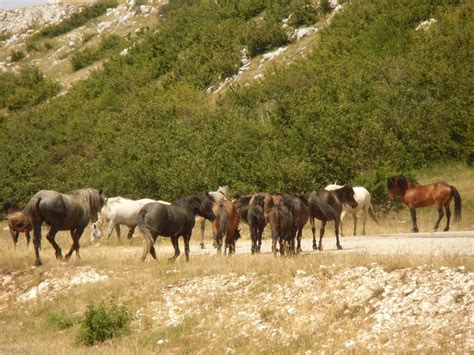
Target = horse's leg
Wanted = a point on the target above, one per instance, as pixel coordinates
(152, 246)
(76, 235)
(148, 242)
(364, 218)
(413, 218)
(440, 217)
(354, 217)
(50, 236)
(203, 227)
(117, 230)
(174, 241)
(313, 230)
(338, 244)
(274, 241)
(131, 230)
(259, 240)
(298, 240)
(110, 228)
(187, 237)
(343, 214)
(37, 243)
(321, 234)
(448, 216)
(28, 238)
(14, 235)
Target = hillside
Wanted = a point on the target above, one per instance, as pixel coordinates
(199, 100)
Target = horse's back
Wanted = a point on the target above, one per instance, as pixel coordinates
(166, 220)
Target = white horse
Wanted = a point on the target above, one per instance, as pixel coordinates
(219, 195)
(362, 197)
(117, 211)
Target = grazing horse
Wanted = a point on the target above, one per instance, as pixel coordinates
(258, 216)
(120, 210)
(71, 212)
(226, 226)
(14, 221)
(283, 227)
(174, 220)
(327, 206)
(222, 193)
(416, 195)
(362, 196)
(298, 205)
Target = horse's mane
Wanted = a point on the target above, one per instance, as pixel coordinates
(90, 199)
(401, 181)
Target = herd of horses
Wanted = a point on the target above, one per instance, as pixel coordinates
(286, 214)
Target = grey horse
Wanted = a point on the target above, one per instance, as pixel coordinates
(71, 212)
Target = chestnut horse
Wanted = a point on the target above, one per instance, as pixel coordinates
(283, 227)
(14, 221)
(225, 226)
(416, 195)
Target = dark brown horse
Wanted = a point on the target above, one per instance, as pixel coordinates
(225, 226)
(298, 205)
(173, 221)
(327, 206)
(283, 227)
(415, 195)
(71, 212)
(258, 216)
(15, 222)
(241, 203)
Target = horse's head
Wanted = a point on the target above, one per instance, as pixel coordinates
(348, 196)
(202, 206)
(396, 185)
(96, 233)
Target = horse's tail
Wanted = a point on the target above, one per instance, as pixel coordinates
(222, 225)
(372, 213)
(30, 212)
(457, 203)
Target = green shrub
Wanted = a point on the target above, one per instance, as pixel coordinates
(87, 37)
(17, 55)
(264, 35)
(103, 322)
(303, 12)
(4, 36)
(84, 58)
(325, 6)
(62, 321)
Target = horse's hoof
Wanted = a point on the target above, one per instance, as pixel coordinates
(315, 247)
(320, 248)
(414, 230)
(339, 247)
(202, 246)
(446, 229)
(38, 263)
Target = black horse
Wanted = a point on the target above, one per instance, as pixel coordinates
(173, 221)
(327, 206)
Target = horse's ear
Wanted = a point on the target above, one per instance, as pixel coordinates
(100, 192)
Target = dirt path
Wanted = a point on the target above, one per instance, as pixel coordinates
(389, 244)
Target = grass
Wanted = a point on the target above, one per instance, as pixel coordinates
(49, 325)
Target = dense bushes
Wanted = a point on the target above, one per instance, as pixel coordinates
(26, 89)
(375, 97)
(107, 47)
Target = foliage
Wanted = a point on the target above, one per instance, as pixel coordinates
(28, 88)
(102, 322)
(374, 97)
(62, 321)
(303, 12)
(17, 55)
(107, 47)
(264, 35)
